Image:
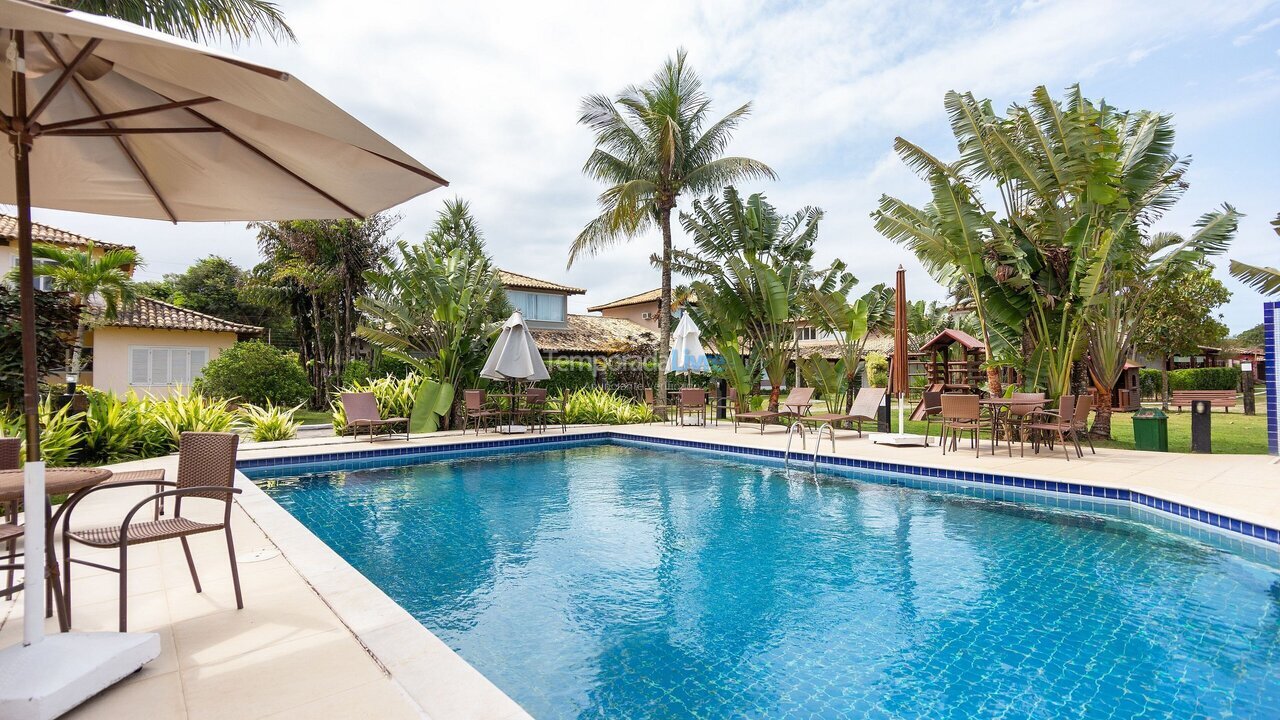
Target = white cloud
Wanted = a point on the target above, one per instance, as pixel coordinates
(1248, 37)
(487, 95)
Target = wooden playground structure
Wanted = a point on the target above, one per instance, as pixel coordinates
(952, 361)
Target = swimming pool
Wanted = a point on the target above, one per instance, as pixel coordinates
(612, 580)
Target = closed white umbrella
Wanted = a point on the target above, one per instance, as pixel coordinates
(515, 358)
(686, 348)
(106, 117)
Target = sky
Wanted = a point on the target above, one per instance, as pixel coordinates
(488, 96)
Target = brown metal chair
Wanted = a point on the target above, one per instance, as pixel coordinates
(206, 470)
(1059, 423)
(362, 411)
(866, 405)
(1020, 415)
(693, 401)
(540, 408)
(932, 407)
(9, 534)
(658, 408)
(11, 459)
(961, 413)
(475, 410)
(1080, 423)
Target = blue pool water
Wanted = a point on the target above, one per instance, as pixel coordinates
(611, 581)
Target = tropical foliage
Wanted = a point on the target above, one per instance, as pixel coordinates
(1179, 318)
(753, 274)
(315, 271)
(598, 406)
(268, 423)
(204, 21)
(436, 306)
(1264, 279)
(850, 324)
(105, 279)
(1078, 183)
(395, 397)
(57, 322)
(255, 372)
(655, 142)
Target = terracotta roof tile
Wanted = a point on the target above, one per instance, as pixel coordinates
(516, 280)
(151, 313)
(590, 334)
(51, 235)
(644, 297)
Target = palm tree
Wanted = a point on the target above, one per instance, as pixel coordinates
(198, 20)
(105, 279)
(1264, 279)
(653, 144)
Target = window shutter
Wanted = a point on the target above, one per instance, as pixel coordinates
(159, 366)
(178, 368)
(139, 373)
(199, 358)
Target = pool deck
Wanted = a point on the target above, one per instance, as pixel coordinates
(318, 640)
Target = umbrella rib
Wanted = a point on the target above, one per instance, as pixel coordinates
(275, 163)
(126, 113)
(67, 71)
(120, 141)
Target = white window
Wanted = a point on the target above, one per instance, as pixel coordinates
(538, 306)
(806, 332)
(45, 282)
(153, 366)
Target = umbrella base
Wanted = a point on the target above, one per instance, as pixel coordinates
(49, 678)
(902, 440)
(513, 429)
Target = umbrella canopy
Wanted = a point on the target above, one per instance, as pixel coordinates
(106, 117)
(687, 354)
(900, 379)
(515, 355)
(131, 122)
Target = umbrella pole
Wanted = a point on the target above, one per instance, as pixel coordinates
(33, 478)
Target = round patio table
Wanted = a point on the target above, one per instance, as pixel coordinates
(996, 406)
(57, 481)
(513, 410)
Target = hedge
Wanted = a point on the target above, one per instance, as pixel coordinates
(568, 375)
(1219, 378)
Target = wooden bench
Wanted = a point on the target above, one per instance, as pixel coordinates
(1217, 398)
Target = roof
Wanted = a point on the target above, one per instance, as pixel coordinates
(516, 280)
(647, 296)
(591, 334)
(637, 299)
(951, 335)
(51, 235)
(150, 313)
(831, 349)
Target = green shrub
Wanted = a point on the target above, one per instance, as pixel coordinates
(877, 370)
(59, 432)
(596, 406)
(256, 373)
(1221, 378)
(394, 396)
(269, 423)
(356, 371)
(180, 412)
(115, 428)
(568, 375)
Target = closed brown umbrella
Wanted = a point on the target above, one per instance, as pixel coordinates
(107, 117)
(899, 377)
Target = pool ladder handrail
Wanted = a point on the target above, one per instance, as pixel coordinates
(786, 455)
(831, 431)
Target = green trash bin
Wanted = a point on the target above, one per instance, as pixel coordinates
(1151, 430)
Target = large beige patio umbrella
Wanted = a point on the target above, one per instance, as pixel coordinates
(514, 358)
(106, 117)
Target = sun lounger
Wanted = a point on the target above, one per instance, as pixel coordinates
(362, 412)
(866, 405)
(797, 405)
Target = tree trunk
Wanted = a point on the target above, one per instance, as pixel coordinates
(76, 351)
(1102, 406)
(664, 312)
(774, 393)
(1164, 383)
(993, 381)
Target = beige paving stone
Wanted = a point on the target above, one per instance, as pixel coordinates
(157, 697)
(378, 700)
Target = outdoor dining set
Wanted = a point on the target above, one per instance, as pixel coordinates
(503, 412)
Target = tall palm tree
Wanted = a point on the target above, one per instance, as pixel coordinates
(198, 20)
(1264, 279)
(653, 143)
(106, 279)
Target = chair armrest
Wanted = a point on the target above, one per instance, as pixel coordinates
(198, 489)
(71, 504)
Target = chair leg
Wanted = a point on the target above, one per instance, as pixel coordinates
(124, 588)
(235, 571)
(1066, 451)
(66, 572)
(191, 563)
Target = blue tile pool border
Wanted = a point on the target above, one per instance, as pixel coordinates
(1187, 513)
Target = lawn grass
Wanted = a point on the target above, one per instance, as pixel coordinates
(1234, 433)
(320, 417)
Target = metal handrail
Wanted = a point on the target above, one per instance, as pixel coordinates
(831, 431)
(786, 456)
